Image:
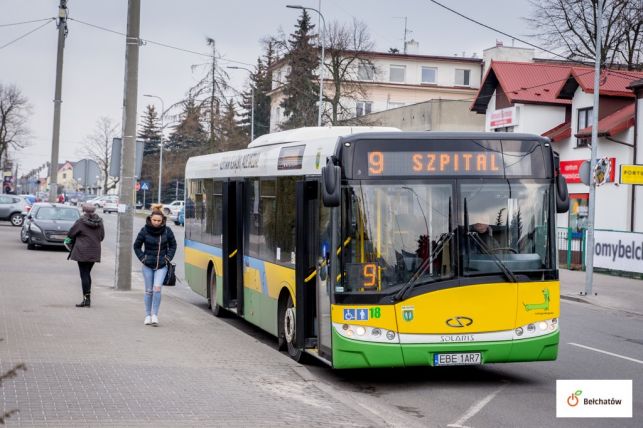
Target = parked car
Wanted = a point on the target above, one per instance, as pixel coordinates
(75, 198)
(172, 208)
(111, 206)
(100, 201)
(48, 224)
(11, 208)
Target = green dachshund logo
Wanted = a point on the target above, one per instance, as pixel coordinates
(544, 305)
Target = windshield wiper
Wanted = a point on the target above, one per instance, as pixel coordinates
(444, 239)
(508, 273)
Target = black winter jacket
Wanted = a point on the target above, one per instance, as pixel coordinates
(155, 245)
(87, 234)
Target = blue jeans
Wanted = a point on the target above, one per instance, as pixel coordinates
(153, 284)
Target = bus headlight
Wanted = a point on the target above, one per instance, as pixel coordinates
(536, 329)
(366, 333)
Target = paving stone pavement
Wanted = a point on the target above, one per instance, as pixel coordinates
(102, 367)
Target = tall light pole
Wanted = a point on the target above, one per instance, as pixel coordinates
(252, 101)
(162, 136)
(321, 64)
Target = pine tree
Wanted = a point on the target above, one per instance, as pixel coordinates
(189, 133)
(301, 89)
(150, 130)
(261, 82)
(233, 137)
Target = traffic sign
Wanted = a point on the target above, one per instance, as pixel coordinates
(145, 185)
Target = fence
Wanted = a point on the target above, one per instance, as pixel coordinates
(571, 248)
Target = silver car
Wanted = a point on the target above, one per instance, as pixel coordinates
(11, 207)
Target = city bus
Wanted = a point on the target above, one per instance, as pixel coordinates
(372, 247)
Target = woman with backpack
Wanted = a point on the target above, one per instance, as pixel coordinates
(155, 247)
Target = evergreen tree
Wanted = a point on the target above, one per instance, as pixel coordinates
(233, 137)
(189, 133)
(150, 130)
(261, 82)
(301, 90)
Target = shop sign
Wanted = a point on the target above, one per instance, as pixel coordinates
(503, 117)
(631, 174)
(604, 173)
(618, 250)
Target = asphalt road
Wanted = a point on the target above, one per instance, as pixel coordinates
(596, 343)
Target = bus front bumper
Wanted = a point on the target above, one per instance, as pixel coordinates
(349, 353)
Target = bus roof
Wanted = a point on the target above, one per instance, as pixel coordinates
(301, 151)
(315, 133)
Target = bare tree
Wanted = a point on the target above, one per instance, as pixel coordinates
(570, 25)
(99, 148)
(348, 66)
(14, 113)
(210, 94)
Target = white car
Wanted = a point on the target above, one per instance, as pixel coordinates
(111, 205)
(172, 209)
(100, 201)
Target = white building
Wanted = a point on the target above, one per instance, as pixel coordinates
(556, 101)
(393, 81)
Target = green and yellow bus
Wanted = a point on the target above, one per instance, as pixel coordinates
(371, 247)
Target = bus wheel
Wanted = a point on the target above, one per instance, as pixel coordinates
(288, 327)
(217, 310)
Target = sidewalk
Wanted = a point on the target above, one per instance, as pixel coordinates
(608, 291)
(102, 367)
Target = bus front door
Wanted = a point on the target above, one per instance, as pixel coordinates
(306, 226)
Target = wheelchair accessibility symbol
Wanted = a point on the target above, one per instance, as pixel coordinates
(349, 315)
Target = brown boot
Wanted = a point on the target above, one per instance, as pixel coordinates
(85, 303)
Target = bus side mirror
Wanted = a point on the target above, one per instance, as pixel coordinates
(562, 195)
(331, 184)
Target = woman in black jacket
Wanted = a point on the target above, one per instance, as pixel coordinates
(155, 247)
(86, 235)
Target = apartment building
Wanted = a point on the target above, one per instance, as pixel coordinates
(393, 80)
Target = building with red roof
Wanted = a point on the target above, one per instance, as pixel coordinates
(556, 101)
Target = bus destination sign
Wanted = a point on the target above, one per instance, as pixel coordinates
(386, 163)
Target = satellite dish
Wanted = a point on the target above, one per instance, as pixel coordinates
(583, 172)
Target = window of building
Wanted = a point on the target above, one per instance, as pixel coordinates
(429, 75)
(504, 129)
(64, 175)
(365, 71)
(585, 119)
(462, 77)
(363, 107)
(397, 73)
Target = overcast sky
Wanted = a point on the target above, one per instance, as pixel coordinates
(94, 58)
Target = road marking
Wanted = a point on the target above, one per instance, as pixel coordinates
(606, 352)
(475, 409)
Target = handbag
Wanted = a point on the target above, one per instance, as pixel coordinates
(170, 275)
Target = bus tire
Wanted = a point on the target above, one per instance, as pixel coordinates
(216, 309)
(288, 328)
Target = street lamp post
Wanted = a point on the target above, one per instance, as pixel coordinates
(321, 65)
(162, 136)
(252, 101)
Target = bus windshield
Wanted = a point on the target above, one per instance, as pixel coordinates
(394, 233)
(504, 223)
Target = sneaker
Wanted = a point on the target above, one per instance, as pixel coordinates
(155, 320)
(148, 320)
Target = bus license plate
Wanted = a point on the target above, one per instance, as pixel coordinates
(457, 359)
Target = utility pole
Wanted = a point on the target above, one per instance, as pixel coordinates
(55, 142)
(589, 261)
(128, 149)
